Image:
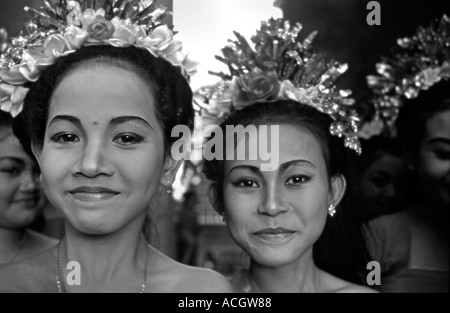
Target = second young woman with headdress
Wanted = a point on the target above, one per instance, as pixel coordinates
(299, 221)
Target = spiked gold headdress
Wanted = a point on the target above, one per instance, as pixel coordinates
(279, 67)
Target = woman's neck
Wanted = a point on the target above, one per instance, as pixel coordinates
(433, 217)
(297, 277)
(105, 261)
(429, 241)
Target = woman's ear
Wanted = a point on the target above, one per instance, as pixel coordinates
(213, 194)
(170, 170)
(338, 186)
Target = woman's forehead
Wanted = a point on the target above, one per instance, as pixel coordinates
(11, 147)
(289, 142)
(102, 92)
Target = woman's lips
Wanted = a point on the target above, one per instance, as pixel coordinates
(274, 234)
(92, 197)
(32, 200)
(89, 194)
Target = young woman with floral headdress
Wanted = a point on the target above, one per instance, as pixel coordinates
(101, 98)
(299, 222)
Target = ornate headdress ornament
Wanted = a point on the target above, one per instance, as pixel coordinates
(280, 67)
(61, 27)
(3, 40)
(416, 64)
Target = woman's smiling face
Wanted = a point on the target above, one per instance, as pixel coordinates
(277, 216)
(103, 154)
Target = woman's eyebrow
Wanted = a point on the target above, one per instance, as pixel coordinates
(68, 118)
(114, 122)
(253, 169)
(12, 158)
(286, 165)
(123, 119)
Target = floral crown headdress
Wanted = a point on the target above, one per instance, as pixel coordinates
(61, 27)
(280, 67)
(416, 64)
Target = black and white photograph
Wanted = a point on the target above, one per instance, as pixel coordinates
(214, 150)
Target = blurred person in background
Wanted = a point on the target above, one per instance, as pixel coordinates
(21, 199)
(412, 245)
(385, 176)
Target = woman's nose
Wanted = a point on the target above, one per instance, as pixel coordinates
(273, 203)
(30, 182)
(93, 161)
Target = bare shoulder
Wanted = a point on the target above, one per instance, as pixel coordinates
(34, 274)
(201, 280)
(352, 288)
(334, 284)
(172, 276)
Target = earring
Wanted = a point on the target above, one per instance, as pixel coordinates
(331, 210)
(169, 188)
(224, 219)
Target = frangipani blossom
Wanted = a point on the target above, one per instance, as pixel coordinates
(11, 98)
(75, 37)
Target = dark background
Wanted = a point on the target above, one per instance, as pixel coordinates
(346, 36)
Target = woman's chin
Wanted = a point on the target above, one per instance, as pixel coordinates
(24, 220)
(94, 227)
(273, 261)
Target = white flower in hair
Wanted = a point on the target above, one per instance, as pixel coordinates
(62, 27)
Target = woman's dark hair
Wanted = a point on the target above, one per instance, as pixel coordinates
(413, 116)
(6, 128)
(341, 249)
(171, 91)
(5, 123)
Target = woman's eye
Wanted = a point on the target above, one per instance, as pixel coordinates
(65, 138)
(297, 180)
(442, 154)
(128, 139)
(13, 171)
(246, 183)
(380, 182)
